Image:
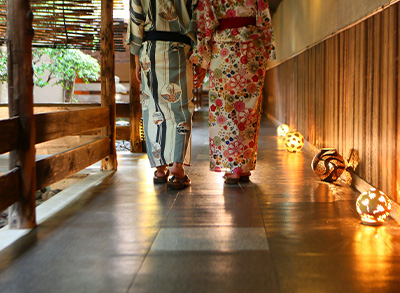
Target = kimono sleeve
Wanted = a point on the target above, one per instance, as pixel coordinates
(206, 26)
(136, 25)
(265, 24)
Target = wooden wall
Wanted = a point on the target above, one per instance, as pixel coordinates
(344, 93)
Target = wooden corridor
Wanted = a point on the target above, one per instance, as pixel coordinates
(283, 232)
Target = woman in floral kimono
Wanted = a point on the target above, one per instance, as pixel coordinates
(161, 34)
(235, 40)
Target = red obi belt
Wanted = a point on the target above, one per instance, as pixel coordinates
(235, 22)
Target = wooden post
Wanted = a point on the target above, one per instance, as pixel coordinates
(135, 107)
(20, 84)
(107, 78)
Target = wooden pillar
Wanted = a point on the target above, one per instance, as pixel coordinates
(20, 83)
(135, 108)
(107, 78)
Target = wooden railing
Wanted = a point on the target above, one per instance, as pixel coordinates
(50, 126)
(25, 129)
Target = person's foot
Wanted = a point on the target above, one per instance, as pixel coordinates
(161, 171)
(161, 175)
(231, 178)
(177, 170)
(234, 178)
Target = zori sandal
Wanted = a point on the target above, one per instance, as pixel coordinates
(178, 183)
(229, 180)
(245, 177)
(159, 180)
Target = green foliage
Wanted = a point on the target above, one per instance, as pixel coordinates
(62, 65)
(3, 67)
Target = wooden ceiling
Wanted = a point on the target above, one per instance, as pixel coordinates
(67, 23)
(73, 23)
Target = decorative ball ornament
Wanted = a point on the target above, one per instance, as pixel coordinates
(282, 130)
(293, 142)
(373, 206)
(328, 165)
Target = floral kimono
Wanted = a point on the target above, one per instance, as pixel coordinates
(167, 77)
(236, 59)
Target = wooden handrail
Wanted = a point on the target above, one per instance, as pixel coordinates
(25, 129)
(62, 165)
(48, 125)
(9, 188)
(9, 133)
(54, 168)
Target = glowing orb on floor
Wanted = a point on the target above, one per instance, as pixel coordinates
(373, 206)
(293, 142)
(282, 130)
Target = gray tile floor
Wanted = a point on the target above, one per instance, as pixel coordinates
(283, 232)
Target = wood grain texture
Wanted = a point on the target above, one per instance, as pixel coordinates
(123, 132)
(9, 134)
(136, 108)
(62, 165)
(20, 84)
(344, 93)
(123, 110)
(74, 122)
(9, 182)
(107, 78)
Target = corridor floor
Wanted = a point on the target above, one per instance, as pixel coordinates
(285, 231)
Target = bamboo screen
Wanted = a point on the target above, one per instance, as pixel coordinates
(68, 23)
(345, 93)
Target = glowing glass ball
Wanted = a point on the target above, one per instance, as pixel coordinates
(293, 142)
(373, 206)
(282, 130)
(328, 165)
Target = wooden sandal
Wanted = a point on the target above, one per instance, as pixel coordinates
(229, 180)
(177, 183)
(163, 179)
(245, 177)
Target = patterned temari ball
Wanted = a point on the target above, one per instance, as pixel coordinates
(293, 142)
(328, 165)
(282, 130)
(373, 206)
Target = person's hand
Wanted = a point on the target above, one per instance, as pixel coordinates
(199, 74)
(138, 71)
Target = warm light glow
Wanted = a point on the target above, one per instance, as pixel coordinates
(282, 130)
(353, 159)
(328, 165)
(373, 206)
(293, 142)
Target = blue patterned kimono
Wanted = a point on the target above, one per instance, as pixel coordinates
(167, 77)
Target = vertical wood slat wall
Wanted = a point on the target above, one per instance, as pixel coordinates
(344, 92)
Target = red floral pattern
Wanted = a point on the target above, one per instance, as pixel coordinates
(236, 59)
(208, 13)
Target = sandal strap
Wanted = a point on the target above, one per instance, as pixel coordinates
(166, 174)
(178, 180)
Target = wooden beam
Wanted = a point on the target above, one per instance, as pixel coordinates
(136, 112)
(123, 110)
(20, 84)
(8, 182)
(62, 165)
(107, 78)
(123, 132)
(48, 125)
(9, 135)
